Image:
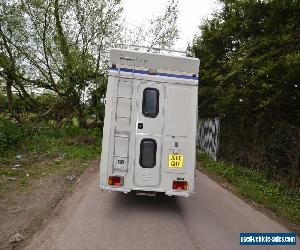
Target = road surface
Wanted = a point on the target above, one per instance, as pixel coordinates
(92, 219)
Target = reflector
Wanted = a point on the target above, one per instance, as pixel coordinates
(180, 185)
(115, 180)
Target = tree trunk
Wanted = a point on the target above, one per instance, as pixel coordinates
(10, 97)
(82, 118)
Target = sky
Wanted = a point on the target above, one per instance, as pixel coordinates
(191, 13)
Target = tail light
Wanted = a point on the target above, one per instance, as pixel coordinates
(115, 180)
(180, 185)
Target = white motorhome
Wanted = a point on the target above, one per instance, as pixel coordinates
(149, 134)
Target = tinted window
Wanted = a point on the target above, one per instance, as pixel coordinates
(150, 102)
(148, 153)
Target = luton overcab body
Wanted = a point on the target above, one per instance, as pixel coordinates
(150, 125)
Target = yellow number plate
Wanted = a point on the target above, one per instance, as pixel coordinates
(175, 161)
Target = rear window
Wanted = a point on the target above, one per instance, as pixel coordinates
(148, 153)
(150, 102)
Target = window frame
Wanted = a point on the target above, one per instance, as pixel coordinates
(142, 152)
(151, 115)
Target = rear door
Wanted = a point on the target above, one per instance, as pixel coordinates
(149, 131)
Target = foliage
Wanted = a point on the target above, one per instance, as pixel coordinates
(163, 30)
(58, 49)
(11, 135)
(256, 187)
(44, 150)
(161, 33)
(39, 137)
(57, 46)
(95, 105)
(249, 75)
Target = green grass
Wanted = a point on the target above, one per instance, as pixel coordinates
(256, 187)
(47, 149)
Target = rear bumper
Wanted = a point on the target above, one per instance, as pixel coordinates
(118, 189)
(167, 192)
(178, 193)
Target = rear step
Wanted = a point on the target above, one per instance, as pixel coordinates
(143, 193)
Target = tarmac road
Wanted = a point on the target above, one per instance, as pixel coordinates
(92, 219)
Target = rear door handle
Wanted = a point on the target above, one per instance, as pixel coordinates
(140, 125)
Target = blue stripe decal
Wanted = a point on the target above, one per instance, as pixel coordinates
(144, 72)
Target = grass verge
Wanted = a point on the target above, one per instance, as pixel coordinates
(256, 187)
(39, 165)
(47, 150)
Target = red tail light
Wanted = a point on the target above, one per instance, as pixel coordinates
(115, 181)
(180, 185)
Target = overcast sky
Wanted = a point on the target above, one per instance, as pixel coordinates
(191, 13)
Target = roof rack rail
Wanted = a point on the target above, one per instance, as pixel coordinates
(149, 49)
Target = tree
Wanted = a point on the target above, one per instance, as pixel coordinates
(161, 31)
(61, 45)
(249, 73)
(8, 54)
(59, 48)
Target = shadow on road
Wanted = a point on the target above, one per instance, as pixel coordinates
(160, 203)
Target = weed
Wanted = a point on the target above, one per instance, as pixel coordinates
(46, 149)
(257, 187)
